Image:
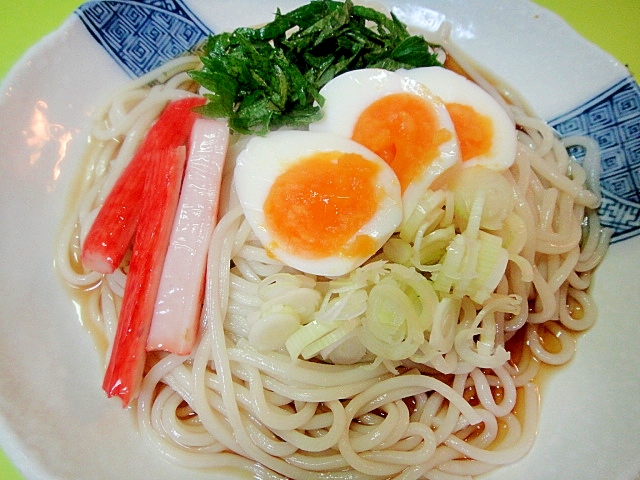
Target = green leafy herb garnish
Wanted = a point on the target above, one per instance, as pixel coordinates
(268, 77)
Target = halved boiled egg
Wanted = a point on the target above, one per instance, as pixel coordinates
(399, 119)
(318, 202)
(486, 134)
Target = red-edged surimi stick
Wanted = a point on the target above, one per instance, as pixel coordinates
(177, 310)
(112, 231)
(160, 199)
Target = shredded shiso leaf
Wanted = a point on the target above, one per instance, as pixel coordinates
(268, 77)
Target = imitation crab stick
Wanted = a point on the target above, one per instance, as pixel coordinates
(160, 200)
(178, 304)
(110, 235)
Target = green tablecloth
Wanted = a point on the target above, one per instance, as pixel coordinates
(614, 25)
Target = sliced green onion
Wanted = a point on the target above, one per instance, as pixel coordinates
(330, 338)
(445, 320)
(426, 215)
(398, 250)
(434, 245)
(389, 311)
(451, 263)
(472, 266)
(272, 329)
(513, 233)
(343, 307)
(475, 182)
(419, 291)
(475, 215)
(308, 334)
(492, 262)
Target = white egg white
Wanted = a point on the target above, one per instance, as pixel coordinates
(454, 88)
(265, 158)
(349, 94)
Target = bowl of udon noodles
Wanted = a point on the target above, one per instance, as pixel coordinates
(377, 285)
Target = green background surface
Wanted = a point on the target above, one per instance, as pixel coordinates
(614, 25)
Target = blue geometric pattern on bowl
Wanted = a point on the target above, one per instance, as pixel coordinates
(613, 120)
(141, 35)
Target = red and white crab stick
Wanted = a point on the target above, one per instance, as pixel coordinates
(176, 315)
(160, 199)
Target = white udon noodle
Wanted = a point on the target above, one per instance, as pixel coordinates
(229, 405)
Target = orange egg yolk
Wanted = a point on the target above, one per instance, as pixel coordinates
(316, 207)
(474, 130)
(404, 130)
